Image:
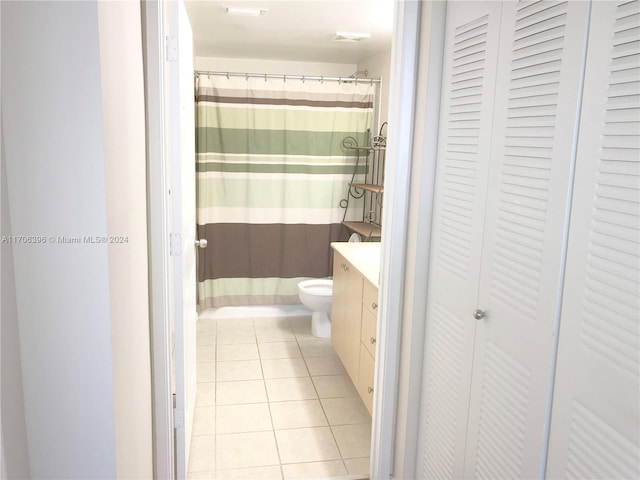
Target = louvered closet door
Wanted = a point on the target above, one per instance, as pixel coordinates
(540, 65)
(463, 156)
(595, 422)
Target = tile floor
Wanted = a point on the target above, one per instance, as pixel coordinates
(274, 402)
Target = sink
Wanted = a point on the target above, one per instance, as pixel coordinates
(366, 253)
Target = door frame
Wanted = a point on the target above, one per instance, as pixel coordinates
(153, 28)
(416, 75)
(415, 87)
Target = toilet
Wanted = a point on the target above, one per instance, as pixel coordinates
(316, 295)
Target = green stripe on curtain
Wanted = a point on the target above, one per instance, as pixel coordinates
(232, 140)
(266, 118)
(270, 151)
(282, 168)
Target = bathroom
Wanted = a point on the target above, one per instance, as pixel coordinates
(279, 391)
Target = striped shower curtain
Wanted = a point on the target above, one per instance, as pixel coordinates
(271, 171)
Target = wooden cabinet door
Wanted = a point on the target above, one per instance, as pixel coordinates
(366, 376)
(595, 411)
(353, 319)
(346, 312)
(338, 305)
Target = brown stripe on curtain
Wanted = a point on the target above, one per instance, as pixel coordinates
(283, 101)
(242, 250)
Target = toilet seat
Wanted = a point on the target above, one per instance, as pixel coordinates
(321, 287)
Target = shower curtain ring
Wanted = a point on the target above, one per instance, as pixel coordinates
(321, 79)
(246, 77)
(284, 78)
(302, 78)
(227, 75)
(265, 77)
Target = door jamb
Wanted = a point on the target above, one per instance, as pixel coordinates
(153, 25)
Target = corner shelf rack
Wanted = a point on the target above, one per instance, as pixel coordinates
(371, 190)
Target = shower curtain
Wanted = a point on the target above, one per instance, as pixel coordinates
(271, 171)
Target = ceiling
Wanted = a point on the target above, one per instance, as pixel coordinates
(300, 30)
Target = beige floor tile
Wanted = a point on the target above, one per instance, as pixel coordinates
(334, 386)
(302, 328)
(301, 445)
(251, 417)
(271, 323)
(298, 414)
(345, 411)
(321, 347)
(205, 394)
(243, 450)
(244, 391)
(283, 389)
(275, 335)
(206, 325)
(301, 323)
(284, 368)
(272, 350)
(354, 441)
(206, 372)
(234, 325)
(201, 475)
(314, 470)
(206, 338)
(204, 422)
(357, 466)
(205, 353)
(330, 365)
(239, 370)
(238, 351)
(255, 473)
(231, 337)
(202, 454)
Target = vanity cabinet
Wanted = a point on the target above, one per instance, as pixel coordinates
(353, 325)
(346, 314)
(368, 343)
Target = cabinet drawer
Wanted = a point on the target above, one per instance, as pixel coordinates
(370, 297)
(365, 378)
(368, 335)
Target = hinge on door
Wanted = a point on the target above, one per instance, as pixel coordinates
(172, 48)
(175, 244)
(178, 417)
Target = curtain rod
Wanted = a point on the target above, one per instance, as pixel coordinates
(292, 77)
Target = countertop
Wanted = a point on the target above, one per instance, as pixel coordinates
(364, 256)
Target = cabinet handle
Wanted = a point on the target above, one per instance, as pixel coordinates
(370, 389)
(372, 340)
(374, 305)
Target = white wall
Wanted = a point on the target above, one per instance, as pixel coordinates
(15, 459)
(125, 177)
(379, 66)
(73, 168)
(250, 65)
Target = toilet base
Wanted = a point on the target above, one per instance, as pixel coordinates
(320, 325)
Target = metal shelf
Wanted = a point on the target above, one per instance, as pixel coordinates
(366, 229)
(369, 187)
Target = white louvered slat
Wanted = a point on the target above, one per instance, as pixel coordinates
(463, 159)
(595, 418)
(534, 125)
